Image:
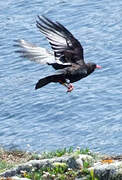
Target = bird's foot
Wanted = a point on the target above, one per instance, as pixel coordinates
(70, 88)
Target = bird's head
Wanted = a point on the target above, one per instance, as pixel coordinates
(92, 66)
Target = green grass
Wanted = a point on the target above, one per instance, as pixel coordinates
(4, 166)
(64, 151)
(9, 159)
(60, 171)
(57, 153)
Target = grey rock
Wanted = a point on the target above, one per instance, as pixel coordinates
(112, 171)
(38, 164)
(17, 178)
(104, 171)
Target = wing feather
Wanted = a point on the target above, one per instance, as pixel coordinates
(34, 53)
(37, 54)
(61, 40)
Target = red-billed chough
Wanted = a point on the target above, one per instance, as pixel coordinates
(67, 57)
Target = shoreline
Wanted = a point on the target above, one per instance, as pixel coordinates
(61, 164)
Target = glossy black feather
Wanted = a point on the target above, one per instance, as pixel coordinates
(68, 52)
(61, 40)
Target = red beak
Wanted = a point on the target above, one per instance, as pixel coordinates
(98, 67)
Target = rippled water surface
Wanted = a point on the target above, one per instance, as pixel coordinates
(49, 118)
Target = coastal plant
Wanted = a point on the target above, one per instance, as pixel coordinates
(49, 172)
(57, 170)
(57, 153)
(4, 166)
(84, 151)
(92, 175)
(60, 171)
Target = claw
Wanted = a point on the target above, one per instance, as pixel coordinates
(70, 88)
(68, 85)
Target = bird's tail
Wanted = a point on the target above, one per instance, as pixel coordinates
(53, 78)
(43, 82)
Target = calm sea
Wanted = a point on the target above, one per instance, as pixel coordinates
(49, 118)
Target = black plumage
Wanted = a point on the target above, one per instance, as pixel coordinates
(68, 54)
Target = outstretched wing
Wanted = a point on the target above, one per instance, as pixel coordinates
(34, 53)
(38, 54)
(66, 48)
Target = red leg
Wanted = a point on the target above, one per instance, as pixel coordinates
(70, 88)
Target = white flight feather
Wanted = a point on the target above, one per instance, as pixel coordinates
(37, 54)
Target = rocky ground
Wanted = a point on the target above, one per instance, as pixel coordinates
(60, 165)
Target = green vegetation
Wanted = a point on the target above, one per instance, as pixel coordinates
(4, 166)
(60, 171)
(64, 151)
(55, 171)
(9, 159)
(57, 153)
(47, 172)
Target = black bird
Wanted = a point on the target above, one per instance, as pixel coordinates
(67, 57)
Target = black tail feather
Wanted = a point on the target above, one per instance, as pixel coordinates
(59, 77)
(42, 82)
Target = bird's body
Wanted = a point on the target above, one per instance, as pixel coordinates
(68, 52)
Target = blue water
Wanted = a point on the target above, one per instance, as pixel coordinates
(49, 118)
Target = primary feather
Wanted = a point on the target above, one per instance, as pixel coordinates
(34, 53)
(61, 40)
